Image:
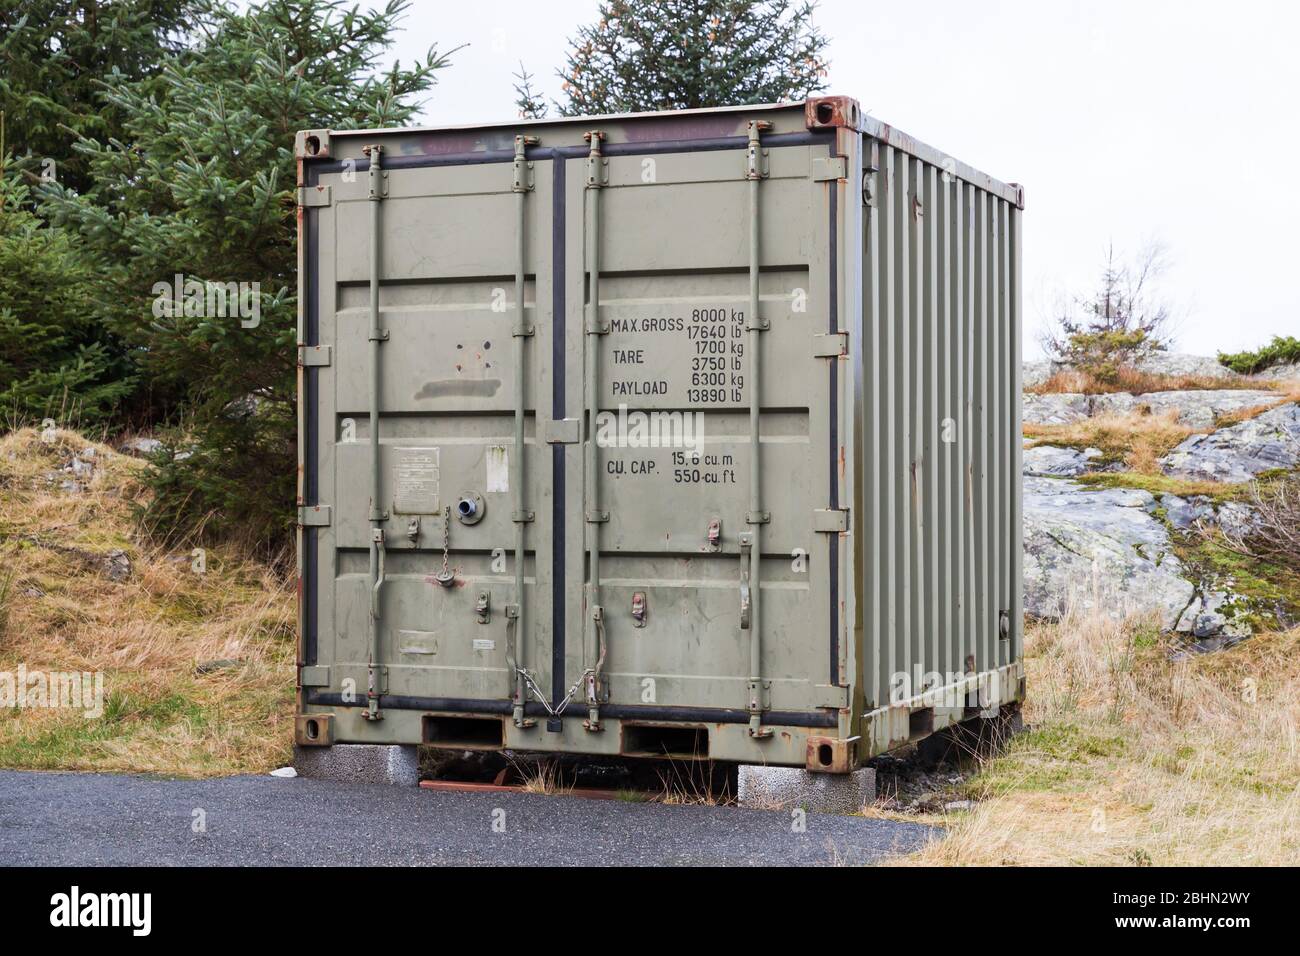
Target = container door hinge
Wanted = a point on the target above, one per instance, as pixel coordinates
(376, 175)
(597, 164)
(870, 166)
(754, 165)
(563, 431)
(314, 516)
(522, 181)
(831, 345)
(831, 520)
(314, 356)
(310, 197)
(825, 168)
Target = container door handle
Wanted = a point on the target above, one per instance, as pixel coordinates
(746, 556)
(377, 536)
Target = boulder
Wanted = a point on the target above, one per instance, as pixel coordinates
(1076, 539)
(1215, 614)
(1057, 408)
(1240, 452)
(1185, 514)
(140, 446)
(116, 565)
(1048, 460)
(1036, 373)
(1176, 363)
(1235, 519)
(1280, 373)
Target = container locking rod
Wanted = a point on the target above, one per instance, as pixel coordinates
(755, 325)
(377, 336)
(516, 635)
(595, 633)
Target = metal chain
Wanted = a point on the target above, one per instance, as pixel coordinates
(446, 537)
(446, 577)
(537, 692)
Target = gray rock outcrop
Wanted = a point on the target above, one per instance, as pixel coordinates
(1198, 408)
(1280, 373)
(1215, 614)
(1056, 408)
(141, 446)
(1185, 514)
(1101, 549)
(1242, 451)
(1177, 363)
(1195, 408)
(1051, 461)
(1037, 372)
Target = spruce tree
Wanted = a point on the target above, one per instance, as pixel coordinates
(56, 359)
(203, 185)
(645, 55)
(54, 57)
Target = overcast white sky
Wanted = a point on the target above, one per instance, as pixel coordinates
(1125, 121)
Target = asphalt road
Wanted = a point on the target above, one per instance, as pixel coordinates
(102, 819)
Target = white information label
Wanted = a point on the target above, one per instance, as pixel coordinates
(498, 469)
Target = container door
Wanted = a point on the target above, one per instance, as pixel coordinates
(689, 577)
(452, 490)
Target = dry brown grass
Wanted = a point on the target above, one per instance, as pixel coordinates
(1136, 439)
(1133, 758)
(146, 634)
(543, 777)
(1139, 439)
(1137, 383)
(1286, 392)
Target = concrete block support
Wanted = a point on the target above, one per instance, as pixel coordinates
(360, 763)
(776, 788)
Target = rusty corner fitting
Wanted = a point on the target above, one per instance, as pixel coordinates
(827, 112)
(313, 730)
(831, 754)
(311, 144)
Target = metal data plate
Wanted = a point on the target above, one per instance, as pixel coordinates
(416, 480)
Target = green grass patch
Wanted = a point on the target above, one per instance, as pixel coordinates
(75, 740)
(1162, 485)
(57, 746)
(1146, 634)
(1048, 757)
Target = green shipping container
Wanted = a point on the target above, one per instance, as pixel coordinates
(688, 433)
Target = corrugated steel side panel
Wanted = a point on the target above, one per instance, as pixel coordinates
(941, 425)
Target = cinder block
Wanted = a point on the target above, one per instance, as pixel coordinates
(776, 788)
(360, 763)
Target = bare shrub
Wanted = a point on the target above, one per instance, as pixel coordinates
(1273, 533)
